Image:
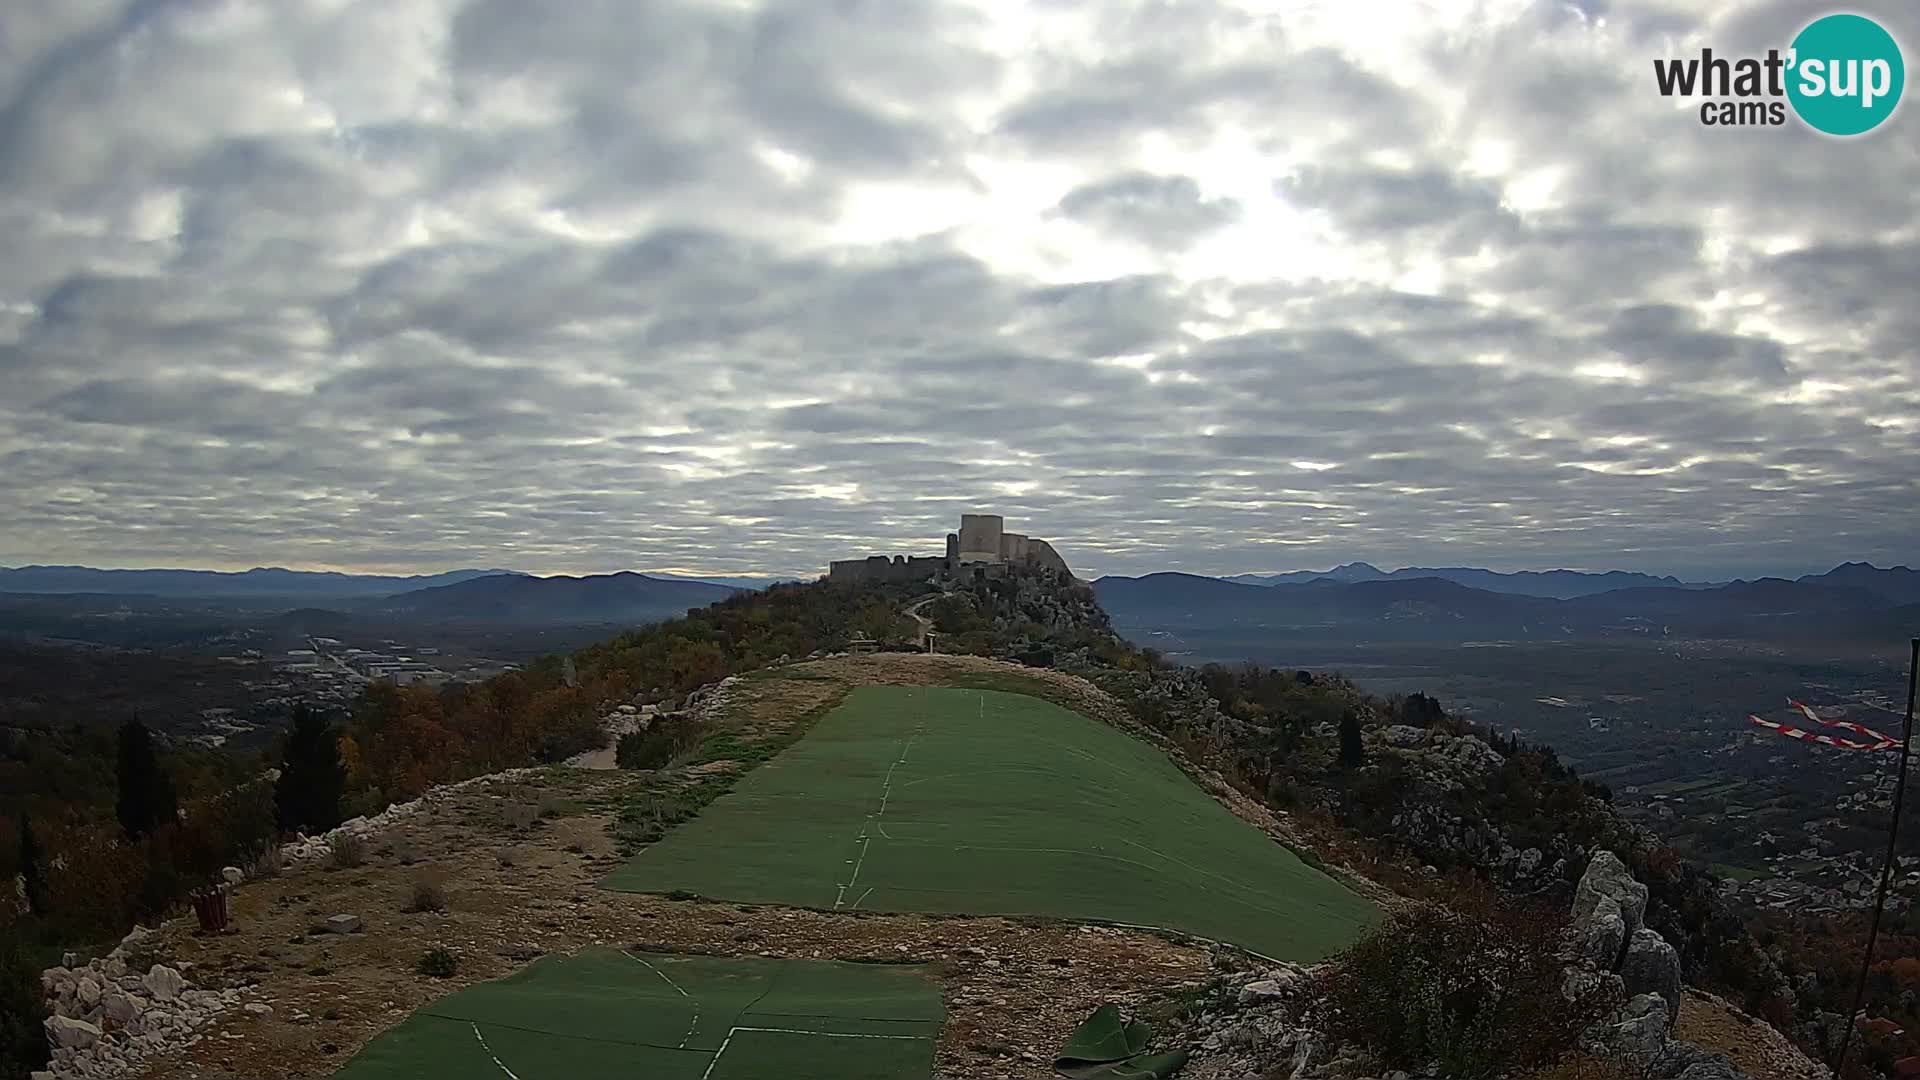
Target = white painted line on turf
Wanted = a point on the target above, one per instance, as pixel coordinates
(863, 897)
(831, 1034)
(490, 1053)
(656, 971)
(865, 843)
(731, 1032)
(886, 792)
(688, 1037)
(718, 1054)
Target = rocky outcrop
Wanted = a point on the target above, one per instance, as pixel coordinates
(1608, 934)
(706, 704)
(1600, 939)
(1256, 1025)
(1262, 1023)
(105, 1019)
(1636, 1033)
(1611, 945)
(1404, 736)
(1608, 886)
(1609, 909)
(619, 721)
(1651, 966)
(1469, 755)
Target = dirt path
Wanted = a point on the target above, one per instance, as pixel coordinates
(1755, 1046)
(913, 612)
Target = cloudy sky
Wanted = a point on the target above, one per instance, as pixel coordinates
(729, 286)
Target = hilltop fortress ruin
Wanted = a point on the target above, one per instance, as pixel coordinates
(983, 548)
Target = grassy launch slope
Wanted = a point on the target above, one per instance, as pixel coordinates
(980, 802)
(610, 1015)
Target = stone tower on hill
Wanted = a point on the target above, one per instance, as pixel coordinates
(982, 547)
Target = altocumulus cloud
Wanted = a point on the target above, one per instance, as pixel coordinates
(729, 286)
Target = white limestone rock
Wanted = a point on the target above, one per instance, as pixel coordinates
(163, 983)
(71, 1034)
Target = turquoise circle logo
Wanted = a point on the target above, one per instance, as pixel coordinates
(1847, 74)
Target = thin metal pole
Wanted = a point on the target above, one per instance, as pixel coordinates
(1886, 869)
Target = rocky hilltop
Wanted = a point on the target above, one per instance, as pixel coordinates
(1528, 924)
(1278, 1014)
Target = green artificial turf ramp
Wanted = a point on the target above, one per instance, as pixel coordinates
(610, 1015)
(988, 803)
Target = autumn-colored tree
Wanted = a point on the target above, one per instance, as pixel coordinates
(694, 664)
(101, 882)
(352, 766)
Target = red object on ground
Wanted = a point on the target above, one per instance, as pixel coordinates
(1880, 1026)
(211, 907)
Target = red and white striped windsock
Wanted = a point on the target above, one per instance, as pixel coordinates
(1824, 740)
(1858, 729)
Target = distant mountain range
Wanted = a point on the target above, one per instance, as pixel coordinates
(610, 598)
(1854, 600)
(1558, 584)
(264, 582)
(1899, 583)
(1355, 601)
(214, 584)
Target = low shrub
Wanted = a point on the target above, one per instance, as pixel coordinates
(437, 963)
(645, 749)
(427, 896)
(347, 851)
(1473, 983)
(266, 865)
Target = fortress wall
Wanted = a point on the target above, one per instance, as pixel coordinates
(1041, 554)
(982, 539)
(882, 568)
(980, 536)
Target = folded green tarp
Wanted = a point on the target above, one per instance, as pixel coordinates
(1106, 1047)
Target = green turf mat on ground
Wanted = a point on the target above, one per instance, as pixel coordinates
(989, 803)
(1105, 1047)
(605, 1014)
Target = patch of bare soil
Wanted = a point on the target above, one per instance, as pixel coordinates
(517, 863)
(1754, 1045)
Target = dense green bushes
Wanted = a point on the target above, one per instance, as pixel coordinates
(23, 1040)
(1473, 984)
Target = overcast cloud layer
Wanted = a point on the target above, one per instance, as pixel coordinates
(725, 287)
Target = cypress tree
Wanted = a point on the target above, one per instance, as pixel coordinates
(312, 778)
(31, 871)
(1352, 752)
(146, 799)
